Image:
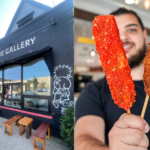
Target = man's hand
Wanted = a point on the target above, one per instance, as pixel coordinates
(128, 133)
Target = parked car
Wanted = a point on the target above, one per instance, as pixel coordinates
(26, 93)
(29, 93)
(42, 90)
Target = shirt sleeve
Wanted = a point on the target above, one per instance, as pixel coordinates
(90, 102)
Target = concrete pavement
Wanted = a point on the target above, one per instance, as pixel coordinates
(17, 142)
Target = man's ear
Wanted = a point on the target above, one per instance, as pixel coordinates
(145, 35)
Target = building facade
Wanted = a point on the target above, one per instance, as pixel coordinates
(36, 63)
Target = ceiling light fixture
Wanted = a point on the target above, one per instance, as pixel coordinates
(147, 4)
(140, 3)
(136, 2)
(92, 53)
(129, 1)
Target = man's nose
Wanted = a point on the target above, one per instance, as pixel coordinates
(124, 37)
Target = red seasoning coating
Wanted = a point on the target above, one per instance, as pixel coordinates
(114, 61)
(146, 77)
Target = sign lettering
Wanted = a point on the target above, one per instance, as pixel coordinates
(18, 46)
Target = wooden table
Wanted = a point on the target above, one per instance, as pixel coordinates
(26, 121)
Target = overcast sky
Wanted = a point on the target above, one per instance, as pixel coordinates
(8, 9)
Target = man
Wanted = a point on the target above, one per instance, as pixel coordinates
(100, 124)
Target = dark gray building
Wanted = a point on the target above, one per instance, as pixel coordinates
(36, 63)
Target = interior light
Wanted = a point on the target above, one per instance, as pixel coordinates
(147, 4)
(129, 1)
(80, 78)
(136, 2)
(93, 37)
(92, 53)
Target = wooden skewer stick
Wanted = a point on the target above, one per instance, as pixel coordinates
(129, 111)
(145, 106)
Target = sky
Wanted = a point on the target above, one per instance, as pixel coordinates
(39, 69)
(8, 9)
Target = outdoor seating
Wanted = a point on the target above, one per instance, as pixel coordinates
(26, 121)
(40, 135)
(10, 122)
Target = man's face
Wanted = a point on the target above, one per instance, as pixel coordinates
(133, 38)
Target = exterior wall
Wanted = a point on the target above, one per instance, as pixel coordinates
(60, 37)
(26, 9)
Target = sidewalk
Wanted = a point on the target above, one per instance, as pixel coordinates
(17, 142)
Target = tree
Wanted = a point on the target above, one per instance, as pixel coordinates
(35, 82)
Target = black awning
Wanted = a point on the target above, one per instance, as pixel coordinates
(46, 53)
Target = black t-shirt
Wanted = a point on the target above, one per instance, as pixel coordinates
(96, 99)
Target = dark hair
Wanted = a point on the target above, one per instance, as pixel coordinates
(123, 10)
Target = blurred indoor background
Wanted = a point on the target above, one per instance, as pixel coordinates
(86, 60)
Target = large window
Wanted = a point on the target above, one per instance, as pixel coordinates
(1, 88)
(36, 78)
(16, 91)
(0, 99)
(12, 74)
(36, 85)
(26, 86)
(12, 104)
(12, 86)
(36, 103)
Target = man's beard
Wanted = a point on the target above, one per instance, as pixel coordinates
(138, 58)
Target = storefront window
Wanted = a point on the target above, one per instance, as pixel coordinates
(12, 74)
(37, 104)
(16, 91)
(7, 91)
(1, 81)
(12, 91)
(36, 78)
(0, 99)
(12, 104)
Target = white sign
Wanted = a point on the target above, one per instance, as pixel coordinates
(18, 46)
(31, 85)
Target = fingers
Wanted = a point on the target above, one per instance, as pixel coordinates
(128, 133)
(128, 136)
(123, 146)
(132, 121)
(134, 137)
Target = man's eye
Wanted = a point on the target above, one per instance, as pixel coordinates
(131, 30)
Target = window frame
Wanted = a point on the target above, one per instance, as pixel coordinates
(1, 94)
(49, 112)
(1, 99)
